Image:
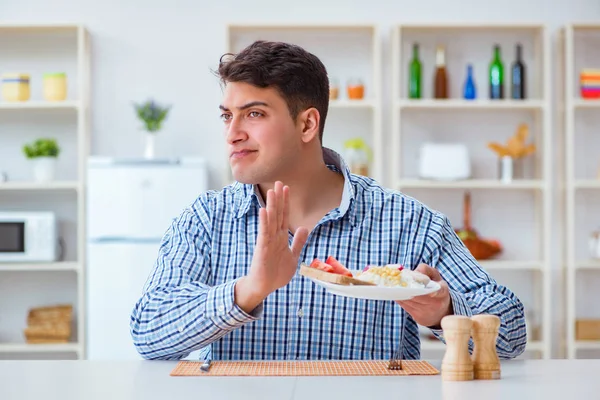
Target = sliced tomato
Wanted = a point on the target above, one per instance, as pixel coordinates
(318, 264)
(338, 268)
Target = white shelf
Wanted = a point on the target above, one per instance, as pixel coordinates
(588, 265)
(25, 267)
(472, 43)
(56, 185)
(577, 49)
(352, 104)
(587, 345)
(39, 105)
(37, 47)
(583, 103)
(459, 104)
(586, 184)
(471, 184)
(510, 265)
(39, 348)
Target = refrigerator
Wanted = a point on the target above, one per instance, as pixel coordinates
(130, 205)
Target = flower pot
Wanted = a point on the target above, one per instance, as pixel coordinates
(149, 151)
(44, 168)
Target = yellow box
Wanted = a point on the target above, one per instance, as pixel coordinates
(55, 86)
(15, 87)
(587, 329)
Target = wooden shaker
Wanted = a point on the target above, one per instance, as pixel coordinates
(486, 364)
(457, 364)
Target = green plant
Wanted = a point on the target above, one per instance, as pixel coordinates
(152, 114)
(43, 147)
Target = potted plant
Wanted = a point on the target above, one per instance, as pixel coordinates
(152, 115)
(43, 154)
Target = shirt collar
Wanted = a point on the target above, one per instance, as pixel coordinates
(334, 161)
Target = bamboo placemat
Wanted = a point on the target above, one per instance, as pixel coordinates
(303, 368)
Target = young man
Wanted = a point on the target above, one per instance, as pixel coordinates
(226, 276)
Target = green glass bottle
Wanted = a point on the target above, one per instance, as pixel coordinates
(414, 78)
(496, 75)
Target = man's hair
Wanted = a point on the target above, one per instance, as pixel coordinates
(299, 76)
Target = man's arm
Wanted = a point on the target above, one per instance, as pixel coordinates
(472, 290)
(180, 311)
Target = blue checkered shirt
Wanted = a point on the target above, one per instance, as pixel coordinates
(188, 301)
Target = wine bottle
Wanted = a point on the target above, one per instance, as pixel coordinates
(496, 75)
(441, 76)
(414, 79)
(470, 90)
(518, 76)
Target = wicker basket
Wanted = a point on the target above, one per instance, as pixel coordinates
(49, 324)
(481, 249)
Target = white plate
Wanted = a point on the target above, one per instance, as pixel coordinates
(377, 292)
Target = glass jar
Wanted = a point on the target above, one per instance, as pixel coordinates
(15, 87)
(334, 89)
(55, 86)
(355, 89)
(357, 156)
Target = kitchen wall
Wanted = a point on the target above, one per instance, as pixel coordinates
(166, 50)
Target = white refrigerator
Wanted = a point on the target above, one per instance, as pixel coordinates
(130, 205)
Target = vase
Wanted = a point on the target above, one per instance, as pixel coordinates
(510, 169)
(44, 168)
(149, 151)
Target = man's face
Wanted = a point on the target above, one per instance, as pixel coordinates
(263, 140)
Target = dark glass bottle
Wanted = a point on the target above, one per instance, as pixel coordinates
(441, 76)
(496, 75)
(414, 79)
(518, 76)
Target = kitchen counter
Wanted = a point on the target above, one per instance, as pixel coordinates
(149, 380)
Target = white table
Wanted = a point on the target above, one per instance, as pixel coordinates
(149, 380)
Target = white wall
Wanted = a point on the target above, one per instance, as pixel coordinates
(167, 50)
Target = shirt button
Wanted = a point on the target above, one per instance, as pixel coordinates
(180, 329)
(221, 308)
(300, 313)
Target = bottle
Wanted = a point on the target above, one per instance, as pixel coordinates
(496, 75)
(518, 76)
(441, 76)
(414, 79)
(470, 90)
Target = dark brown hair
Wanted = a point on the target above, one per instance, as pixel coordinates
(299, 76)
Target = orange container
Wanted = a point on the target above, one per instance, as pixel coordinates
(355, 90)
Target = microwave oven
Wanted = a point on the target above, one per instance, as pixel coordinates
(28, 237)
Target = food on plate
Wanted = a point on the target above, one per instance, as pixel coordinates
(393, 275)
(331, 265)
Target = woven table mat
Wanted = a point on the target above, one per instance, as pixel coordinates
(303, 368)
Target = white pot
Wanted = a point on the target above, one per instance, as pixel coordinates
(44, 168)
(149, 151)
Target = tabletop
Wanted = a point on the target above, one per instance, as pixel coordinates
(149, 380)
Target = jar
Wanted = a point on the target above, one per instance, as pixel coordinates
(357, 156)
(355, 89)
(334, 89)
(15, 87)
(55, 86)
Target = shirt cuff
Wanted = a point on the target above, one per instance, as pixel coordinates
(220, 307)
(460, 306)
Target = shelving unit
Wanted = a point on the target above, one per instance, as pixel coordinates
(348, 51)
(579, 47)
(525, 264)
(36, 49)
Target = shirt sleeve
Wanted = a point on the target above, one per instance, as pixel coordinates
(179, 310)
(472, 290)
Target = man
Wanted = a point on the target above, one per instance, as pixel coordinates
(226, 280)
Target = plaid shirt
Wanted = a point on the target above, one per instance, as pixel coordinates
(188, 301)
